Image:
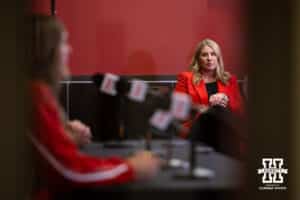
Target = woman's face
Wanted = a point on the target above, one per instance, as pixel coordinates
(208, 59)
(64, 50)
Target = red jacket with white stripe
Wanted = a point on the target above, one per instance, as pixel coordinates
(61, 165)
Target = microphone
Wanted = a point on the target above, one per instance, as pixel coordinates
(108, 108)
(134, 90)
(141, 102)
(97, 79)
(137, 91)
(122, 85)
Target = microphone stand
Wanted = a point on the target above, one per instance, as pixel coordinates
(172, 162)
(148, 140)
(194, 172)
(192, 159)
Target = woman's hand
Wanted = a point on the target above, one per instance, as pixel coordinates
(220, 99)
(144, 164)
(80, 133)
(201, 108)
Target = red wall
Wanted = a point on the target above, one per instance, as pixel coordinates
(41, 6)
(150, 36)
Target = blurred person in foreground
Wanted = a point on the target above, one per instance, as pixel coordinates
(61, 167)
(217, 95)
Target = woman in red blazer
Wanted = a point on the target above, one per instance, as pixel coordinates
(207, 82)
(61, 167)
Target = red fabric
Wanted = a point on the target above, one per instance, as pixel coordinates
(199, 94)
(49, 132)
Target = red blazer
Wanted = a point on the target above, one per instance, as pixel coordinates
(199, 94)
(61, 165)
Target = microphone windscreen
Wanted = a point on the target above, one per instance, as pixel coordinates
(123, 86)
(97, 79)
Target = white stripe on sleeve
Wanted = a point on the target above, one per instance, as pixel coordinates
(77, 176)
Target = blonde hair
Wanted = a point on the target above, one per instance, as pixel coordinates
(195, 66)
